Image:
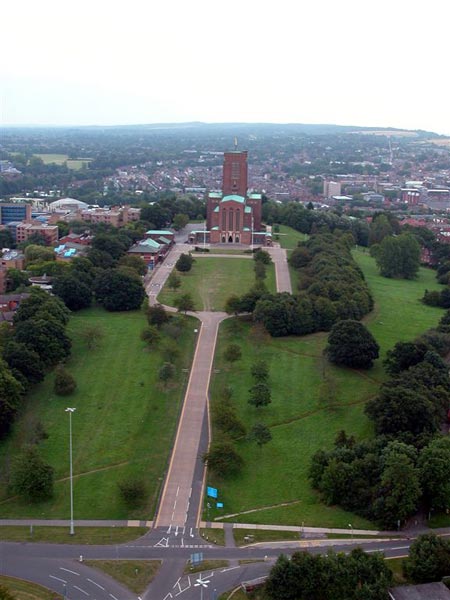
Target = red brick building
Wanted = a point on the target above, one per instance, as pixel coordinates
(233, 216)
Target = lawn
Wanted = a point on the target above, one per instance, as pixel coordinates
(311, 401)
(25, 590)
(59, 159)
(136, 575)
(61, 535)
(288, 238)
(212, 280)
(123, 426)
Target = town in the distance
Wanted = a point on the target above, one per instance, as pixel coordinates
(224, 365)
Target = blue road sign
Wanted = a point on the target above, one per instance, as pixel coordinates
(210, 491)
(196, 558)
(219, 504)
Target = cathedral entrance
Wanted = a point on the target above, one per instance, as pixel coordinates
(230, 239)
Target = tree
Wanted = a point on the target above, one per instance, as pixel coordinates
(233, 305)
(173, 281)
(352, 345)
(226, 420)
(260, 395)
(184, 263)
(260, 270)
(156, 315)
(399, 256)
(184, 303)
(117, 291)
(260, 433)
(46, 337)
(34, 253)
(65, 384)
(31, 477)
(10, 398)
(150, 335)
(132, 491)
(428, 560)
(166, 372)
(260, 370)
(223, 459)
(73, 291)
(404, 355)
(180, 221)
(232, 353)
(92, 336)
(16, 278)
(111, 244)
(24, 359)
(434, 467)
(134, 262)
(262, 256)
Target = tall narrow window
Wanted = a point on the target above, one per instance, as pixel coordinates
(230, 220)
(224, 219)
(238, 220)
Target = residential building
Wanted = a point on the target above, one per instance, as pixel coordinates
(12, 259)
(25, 230)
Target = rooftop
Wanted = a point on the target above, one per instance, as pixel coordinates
(425, 591)
(234, 198)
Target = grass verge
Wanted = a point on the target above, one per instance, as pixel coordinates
(123, 427)
(206, 565)
(26, 590)
(262, 535)
(136, 575)
(61, 535)
(214, 536)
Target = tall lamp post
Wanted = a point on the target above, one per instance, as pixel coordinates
(70, 411)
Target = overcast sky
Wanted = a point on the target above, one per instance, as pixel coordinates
(350, 62)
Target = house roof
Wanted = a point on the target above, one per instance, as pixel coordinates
(159, 232)
(234, 198)
(425, 591)
(215, 195)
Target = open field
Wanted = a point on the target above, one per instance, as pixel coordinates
(311, 401)
(61, 535)
(212, 280)
(288, 237)
(123, 426)
(25, 590)
(59, 159)
(136, 575)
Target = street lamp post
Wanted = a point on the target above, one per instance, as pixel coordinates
(351, 528)
(70, 411)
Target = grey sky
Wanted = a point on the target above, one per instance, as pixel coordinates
(383, 63)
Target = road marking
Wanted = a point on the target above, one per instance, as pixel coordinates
(182, 542)
(80, 590)
(58, 579)
(114, 597)
(170, 527)
(169, 595)
(178, 489)
(97, 584)
(177, 581)
(176, 529)
(192, 535)
(229, 569)
(69, 571)
(400, 548)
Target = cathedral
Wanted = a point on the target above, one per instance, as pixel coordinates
(233, 216)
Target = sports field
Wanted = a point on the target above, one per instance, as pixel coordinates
(123, 425)
(311, 401)
(59, 159)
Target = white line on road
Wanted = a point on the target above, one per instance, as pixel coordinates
(176, 531)
(113, 597)
(229, 569)
(191, 534)
(80, 590)
(170, 527)
(169, 595)
(177, 581)
(58, 579)
(400, 548)
(97, 584)
(182, 542)
(69, 571)
(178, 489)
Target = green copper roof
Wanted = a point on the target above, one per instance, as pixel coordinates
(255, 196)
(215, 195)
(149, 242)
(159, 232)
(216, 209)
(248, 209)
(234, 198)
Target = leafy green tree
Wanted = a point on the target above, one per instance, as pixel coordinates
(92, 335)
(404, 355)
(184, 263)
(260, 270)
(260, 395)
(15, 278)
(232, 353)
(380, 228)
(156, 315)
(399, 256)
(260, 370)
(166, 372)
(223, 459)
(31, 477)
(260, 433)
(434, 467)
(428, 560)
(73, 291)
(133, 262)
(34, 253)
(233, 305)
(173, 281)
(111, 244)
(184, 303)
(10, 398)
(263, 257)
(352, 345)
(117, 291)
(24, 359)
(65, 384)
(179, 221)
(225, 418)
(151, 336)
(46, 337)
(300, 257)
